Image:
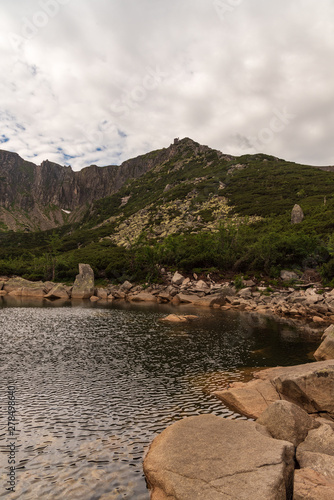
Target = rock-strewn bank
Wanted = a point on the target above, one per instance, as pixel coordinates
(308, 303)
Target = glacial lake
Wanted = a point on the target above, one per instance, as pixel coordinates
(95, 383)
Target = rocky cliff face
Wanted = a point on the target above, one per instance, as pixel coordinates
(36, 196)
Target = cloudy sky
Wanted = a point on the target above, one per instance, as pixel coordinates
(101, 81)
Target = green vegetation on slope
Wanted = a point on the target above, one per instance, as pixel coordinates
(198, 209)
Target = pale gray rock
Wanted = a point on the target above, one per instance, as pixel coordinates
(297, 215)
(57, 292)
(326, 348)
(177, 279)
(83, 287)
(288, 275)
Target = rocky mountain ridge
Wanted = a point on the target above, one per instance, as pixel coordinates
(40, 197)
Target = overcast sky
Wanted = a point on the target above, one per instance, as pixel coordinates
(101, 81)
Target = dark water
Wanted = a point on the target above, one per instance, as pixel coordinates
(94, 385)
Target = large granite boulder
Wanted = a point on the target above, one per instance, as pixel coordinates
(326, 348)
(310, 386)
(287, 421)
(211, 458)
(83, 287)
(311, 485)
(317, 451)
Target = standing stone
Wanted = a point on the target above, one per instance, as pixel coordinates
(297, 215)
(83, 287)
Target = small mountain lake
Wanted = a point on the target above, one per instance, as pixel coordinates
(94, 384)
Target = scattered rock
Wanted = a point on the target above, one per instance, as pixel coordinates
(177, 279)
(126, 286)
(287, 421)
(174, 318)
(289, 276)
(83, 287)
(142, 297)
(93, 298)
(209, 457)
(101, 293)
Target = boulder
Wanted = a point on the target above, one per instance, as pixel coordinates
(249, 399)
(297, 215)
(83, 287)
(326, 348)
(93, 298)
(101, 293)
(174, 318)
(317, 451)
(126, 286)
(57, 292)
(177, 279)
(142, 297)
(208, 457)
(201, 286)
(289, 276)
(311, 485)
(287, 421)
(310, 386)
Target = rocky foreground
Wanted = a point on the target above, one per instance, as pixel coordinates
(286, 454)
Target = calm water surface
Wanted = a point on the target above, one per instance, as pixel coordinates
(95, 384)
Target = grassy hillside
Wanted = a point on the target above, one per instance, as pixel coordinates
(197, 209)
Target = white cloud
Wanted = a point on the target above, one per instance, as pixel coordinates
(104, 81)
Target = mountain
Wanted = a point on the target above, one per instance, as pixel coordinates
(186, 206)
(40, 197)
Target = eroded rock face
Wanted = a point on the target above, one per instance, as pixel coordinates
(208, 457)
(83, 287)
(287, 421)
(57, 292)
(24, 288)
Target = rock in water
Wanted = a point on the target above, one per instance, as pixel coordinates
(209, 457)
(83, 287)
(297, 215)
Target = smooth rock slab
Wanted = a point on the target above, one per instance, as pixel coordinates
(211, 458)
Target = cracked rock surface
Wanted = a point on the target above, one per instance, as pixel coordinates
(212, 458)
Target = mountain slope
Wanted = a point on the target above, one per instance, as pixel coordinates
(39, 197)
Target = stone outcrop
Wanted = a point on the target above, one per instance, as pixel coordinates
(310, 386)
(326, 348)
(312, 485)
(287, 421)
(22, 287)
(83, 287)
(208, 457)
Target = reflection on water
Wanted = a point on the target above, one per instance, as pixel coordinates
(95, 385)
